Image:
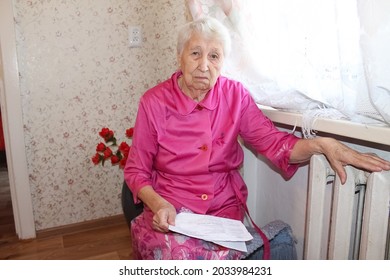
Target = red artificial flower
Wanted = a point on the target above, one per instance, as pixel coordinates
(107, 134)
(129, 132)
(122, 163)
(124, 147)
(105, 152)
(126, 153)
(96, 158)
(101, 147)
(114, 159)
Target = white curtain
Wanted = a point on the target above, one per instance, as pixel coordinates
(323, 58)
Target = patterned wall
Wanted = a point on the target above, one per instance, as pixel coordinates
(78, 74)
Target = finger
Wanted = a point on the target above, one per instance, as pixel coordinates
(164, 223)
(384, 164)
(172, 218)
(160, 222)
(339, 169)
(342, 174)
(156, 226)
(371, 162)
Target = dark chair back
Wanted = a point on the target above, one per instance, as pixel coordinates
(130, 209)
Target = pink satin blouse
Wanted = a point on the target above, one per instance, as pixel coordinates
(189, 151)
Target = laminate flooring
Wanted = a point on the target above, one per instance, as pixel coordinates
(103, 239)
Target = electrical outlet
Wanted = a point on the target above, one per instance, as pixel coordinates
(135, 36)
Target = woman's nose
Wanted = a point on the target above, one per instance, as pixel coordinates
(204, 64)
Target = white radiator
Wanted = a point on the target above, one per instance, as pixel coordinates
(349, 221)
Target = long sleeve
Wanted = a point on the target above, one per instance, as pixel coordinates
(138, 169)
(259, 132)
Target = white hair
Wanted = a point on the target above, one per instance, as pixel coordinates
(206, 26)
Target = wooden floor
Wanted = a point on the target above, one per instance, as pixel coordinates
(104, 239)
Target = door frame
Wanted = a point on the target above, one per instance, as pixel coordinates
(12, 118)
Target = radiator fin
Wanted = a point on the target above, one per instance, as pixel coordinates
(350, 223)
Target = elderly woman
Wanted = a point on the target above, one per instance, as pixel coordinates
(185, 155)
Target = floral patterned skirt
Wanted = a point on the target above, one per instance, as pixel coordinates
(149, 244)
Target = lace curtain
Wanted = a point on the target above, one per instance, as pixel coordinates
(322, 58)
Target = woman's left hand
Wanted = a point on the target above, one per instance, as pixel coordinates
(338, 155)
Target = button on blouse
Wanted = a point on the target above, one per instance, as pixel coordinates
(199, 107)
(203, 147)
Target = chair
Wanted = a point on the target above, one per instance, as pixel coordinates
(130, 209)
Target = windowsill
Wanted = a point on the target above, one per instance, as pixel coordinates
(371, 133)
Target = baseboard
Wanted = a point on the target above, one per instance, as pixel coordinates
(83, 226)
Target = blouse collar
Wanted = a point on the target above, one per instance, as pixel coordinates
(185, 105)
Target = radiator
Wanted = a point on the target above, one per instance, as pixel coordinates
(349, 221)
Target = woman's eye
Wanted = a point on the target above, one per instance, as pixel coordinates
(214, 56)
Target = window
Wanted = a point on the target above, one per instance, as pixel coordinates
(322, 58)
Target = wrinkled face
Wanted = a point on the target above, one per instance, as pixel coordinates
(201, 62)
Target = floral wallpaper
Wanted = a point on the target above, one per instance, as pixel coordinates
(77, 75)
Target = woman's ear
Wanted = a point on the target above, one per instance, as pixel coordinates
(178, 59)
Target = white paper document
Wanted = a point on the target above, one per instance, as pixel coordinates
(226, 232)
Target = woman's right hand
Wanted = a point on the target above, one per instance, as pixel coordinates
(164, 217)
(164, 212)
